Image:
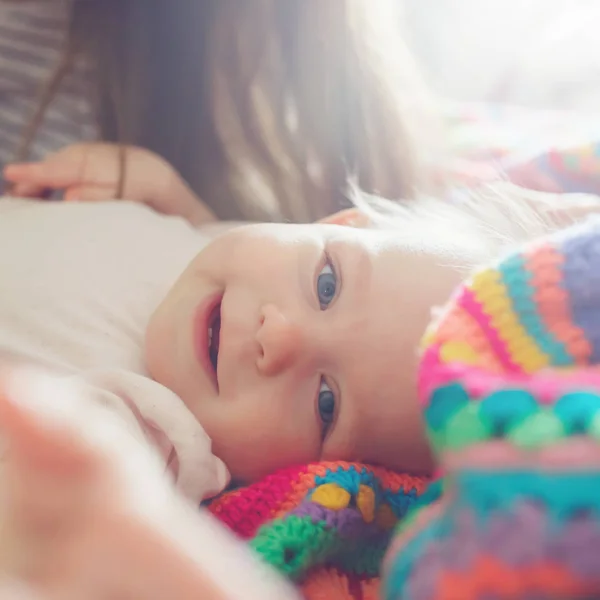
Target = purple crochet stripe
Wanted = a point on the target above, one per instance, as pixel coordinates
(348, 522)
(517, 538)
(422, 583)
(581, 277)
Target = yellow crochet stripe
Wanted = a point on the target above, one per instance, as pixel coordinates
(335, 497)
(491, 293)
(461, 352)
(331, 495)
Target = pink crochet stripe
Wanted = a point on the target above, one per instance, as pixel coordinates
(429, 365)
(546, 386)
(468, 301)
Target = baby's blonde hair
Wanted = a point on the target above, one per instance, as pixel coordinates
(478, 225)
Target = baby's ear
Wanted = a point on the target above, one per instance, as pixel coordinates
(350, 217)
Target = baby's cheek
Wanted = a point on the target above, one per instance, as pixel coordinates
(260, 430)
(390, 432)
(256, 448)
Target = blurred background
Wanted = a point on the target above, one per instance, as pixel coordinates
(532, 53)
(519, 84)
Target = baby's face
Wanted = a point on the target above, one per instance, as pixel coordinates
(295, 343)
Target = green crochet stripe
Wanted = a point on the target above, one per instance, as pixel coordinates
(455, 421)
(294, 544)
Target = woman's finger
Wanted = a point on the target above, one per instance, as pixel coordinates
(27, 190)
(50, 173)
(90, 193)
(21, 172)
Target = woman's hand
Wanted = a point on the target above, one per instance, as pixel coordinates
(86, 511)
(91, 172)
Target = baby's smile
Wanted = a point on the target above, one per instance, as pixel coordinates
(206, 336)
(214, 337)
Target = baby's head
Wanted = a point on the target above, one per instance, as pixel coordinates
(294, 343)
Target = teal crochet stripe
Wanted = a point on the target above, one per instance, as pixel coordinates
(561, 493)
(516, 278)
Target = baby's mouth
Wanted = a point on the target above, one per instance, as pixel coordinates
(214, 336)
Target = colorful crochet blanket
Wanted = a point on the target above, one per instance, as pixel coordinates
(325, 525)
(510, 387)
(546, 150)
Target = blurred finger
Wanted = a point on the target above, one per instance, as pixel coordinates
(90, 193)
(46, 174)
(28, 190)
(23, 172)
(187, 530)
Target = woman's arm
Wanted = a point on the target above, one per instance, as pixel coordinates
(97, 172)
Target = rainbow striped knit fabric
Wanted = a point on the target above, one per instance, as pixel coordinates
(325, 525)
(510, 387)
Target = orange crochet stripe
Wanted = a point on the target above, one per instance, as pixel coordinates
(488, 575)
(461, 339)
(331, 584)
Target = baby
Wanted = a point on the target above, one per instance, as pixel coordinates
(265, 346)
(230, 354)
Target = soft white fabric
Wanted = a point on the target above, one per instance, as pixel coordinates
(78, 284)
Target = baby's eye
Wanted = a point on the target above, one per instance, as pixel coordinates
(326, 285)
(326, 406)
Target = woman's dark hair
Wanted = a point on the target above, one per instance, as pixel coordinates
(266, 107)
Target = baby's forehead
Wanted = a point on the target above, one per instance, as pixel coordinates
(380, 246)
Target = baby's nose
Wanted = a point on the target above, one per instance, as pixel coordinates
(280, 341)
